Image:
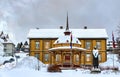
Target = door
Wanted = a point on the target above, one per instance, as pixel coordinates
(67, 58)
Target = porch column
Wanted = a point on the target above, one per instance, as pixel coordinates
(62, 58)
(80, 58)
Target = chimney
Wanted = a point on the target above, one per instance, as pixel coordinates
(37, 28)
(61, 27)
(85, 27)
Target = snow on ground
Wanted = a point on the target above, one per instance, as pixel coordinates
(29, 62)
(112, 61)
(27, 67)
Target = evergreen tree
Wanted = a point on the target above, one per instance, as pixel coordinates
(18, 47)
(26, 43)
(21, 44)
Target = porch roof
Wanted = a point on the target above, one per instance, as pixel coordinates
(67, 48)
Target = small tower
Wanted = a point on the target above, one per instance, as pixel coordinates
(67, 32)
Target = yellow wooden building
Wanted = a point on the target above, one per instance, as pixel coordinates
(52, 46)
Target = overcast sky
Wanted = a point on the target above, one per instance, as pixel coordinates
(18, 16)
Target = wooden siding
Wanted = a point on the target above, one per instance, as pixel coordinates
(42, 51)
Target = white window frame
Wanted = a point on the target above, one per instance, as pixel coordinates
(88, 57)
(57, 57)
(88, 44)
(98, 44)
(99, 57)
(47, 44)
(77, 58)
(37, 45)
(46, 57)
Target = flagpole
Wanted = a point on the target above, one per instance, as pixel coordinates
(113, 42)
(71, 57)
(71, 49)
(113, 57)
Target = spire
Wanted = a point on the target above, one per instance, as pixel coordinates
(67, 32)
(67, 23)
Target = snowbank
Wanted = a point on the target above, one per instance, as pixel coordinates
(27, 67)
(112, 61)
(2, 59)
(30, 62)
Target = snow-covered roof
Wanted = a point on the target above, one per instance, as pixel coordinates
(8, 41)
(79, 33)
(67, 39)
(1, 40)
(67, 47)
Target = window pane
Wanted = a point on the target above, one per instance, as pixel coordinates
(46, 57)
(88, 57)
(37, 55)
(47, 45)
(99, 57)
(77, 58)
(57, 57)
(98, 44)
(37, 45)
(88, 44)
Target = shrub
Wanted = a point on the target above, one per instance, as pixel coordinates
(109, 68)
(115, 68)
(53, 68)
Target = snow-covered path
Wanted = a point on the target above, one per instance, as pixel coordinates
(43, 73)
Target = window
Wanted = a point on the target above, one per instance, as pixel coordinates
(88, 45)
(99, 57)
(77, 58)
(57, 57)
(37, 55)
(88, 57)
(5, 50)
(37, 45)
(47, 44)
(98, 44)
(46, 57)
(5, 45)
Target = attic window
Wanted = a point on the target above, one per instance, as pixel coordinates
(76, 41)
(67, 41)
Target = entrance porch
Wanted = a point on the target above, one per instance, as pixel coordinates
(66, 57)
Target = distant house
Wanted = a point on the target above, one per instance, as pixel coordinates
(9, 48)
(110, 45)
(53, 46)
(25, 47)
(8, 45)
(1, 44)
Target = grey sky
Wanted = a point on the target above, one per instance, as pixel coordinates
(21, 15)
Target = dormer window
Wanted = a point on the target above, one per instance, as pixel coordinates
(57, 41)
(67, 41)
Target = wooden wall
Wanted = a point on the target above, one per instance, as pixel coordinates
(42, 51)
